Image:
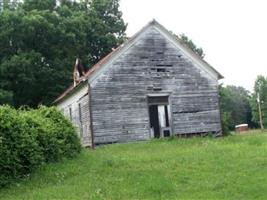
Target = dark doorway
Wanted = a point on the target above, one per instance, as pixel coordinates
(159, 116)
(154, 120)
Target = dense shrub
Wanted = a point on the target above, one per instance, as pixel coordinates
(29, 138)
(225, 121)
(59, 139)
(19, 150)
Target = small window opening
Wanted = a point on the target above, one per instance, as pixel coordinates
(157, 89)
(161, 70)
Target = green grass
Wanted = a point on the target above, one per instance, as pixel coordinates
(234, 167)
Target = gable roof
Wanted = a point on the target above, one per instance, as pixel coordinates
(96, 69)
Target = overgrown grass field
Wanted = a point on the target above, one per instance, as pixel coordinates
(234, 167)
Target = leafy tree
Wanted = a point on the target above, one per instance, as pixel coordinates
(235, 106)
(107, 28)
(225, 121)
(39, 41)
(39, 5)
(6, 97)
(190, 44)
(27, 71)
(259, 96)
(8, 4)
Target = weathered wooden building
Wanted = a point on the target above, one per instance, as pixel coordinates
(149, 87)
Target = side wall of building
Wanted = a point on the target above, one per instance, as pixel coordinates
(152, 65)
(76, 108)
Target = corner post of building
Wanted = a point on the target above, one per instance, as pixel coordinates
(91, 115)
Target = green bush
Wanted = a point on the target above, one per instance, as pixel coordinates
(60, 140)
(19, 149)
(30, 137)
(225, 122)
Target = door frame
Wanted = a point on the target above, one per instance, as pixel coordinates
(167, 94)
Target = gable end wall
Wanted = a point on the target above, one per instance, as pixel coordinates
(152, 65)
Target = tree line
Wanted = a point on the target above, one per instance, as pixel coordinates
(40, 39)
(239, 105)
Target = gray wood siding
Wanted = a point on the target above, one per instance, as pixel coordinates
(85, 129)
(152, 65)
(81, 119)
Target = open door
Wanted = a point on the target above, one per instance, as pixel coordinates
(154, 121)
(159, 115)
